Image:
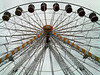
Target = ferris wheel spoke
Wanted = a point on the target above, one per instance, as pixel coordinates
(75, 26)
(24, 58)
(45, 18)
(17, 50)
(14, 56)
(66, 70)
(17, 35)
(39, 18)
(28, 22)
(52, 18)
(67, 33)
(16, 41)
(73, 20)
(80, 37)
(51, 63)
(65, 57)
(62, 19)
(18, 54)
(94, 58)
(88, 64)
(5, 67)
(41, 65)
(81, 24)
(32, 53)
(31, 69)
(80, 31)
(84, 44)
(68, 23)
(42, 61)
(82, 68)
(57, 19)
(17, 30)
(23, 26)
(35, 22)
(18, 65)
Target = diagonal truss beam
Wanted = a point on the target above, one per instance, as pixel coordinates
(31, 69)
(93, 57)
(61, 62)
(82, 68)
(20, 48)
(27, 55)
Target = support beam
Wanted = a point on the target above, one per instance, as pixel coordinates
(25, 56)
(66, 70)
(81, 67)
(94, 58)
(31, 69)
(14, 51)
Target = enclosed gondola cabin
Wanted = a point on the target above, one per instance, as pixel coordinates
(43, 6)
(68, 8)
(93, 17)
(81, 12)
(6, 16)
(18, 11)
(31, 8)
(56, 7)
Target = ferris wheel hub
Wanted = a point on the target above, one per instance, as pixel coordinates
(47, 28)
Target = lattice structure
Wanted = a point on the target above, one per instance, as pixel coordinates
(49, 38)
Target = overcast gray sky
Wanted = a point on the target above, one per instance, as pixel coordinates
(91, 4)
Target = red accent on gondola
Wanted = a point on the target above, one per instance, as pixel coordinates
(43, 6)
(56, 7)
(68, 8)
(93, 17)
(81, 12)
(31, 8)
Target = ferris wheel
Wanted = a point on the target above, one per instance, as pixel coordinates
(49, 38)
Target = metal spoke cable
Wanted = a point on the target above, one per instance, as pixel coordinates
(28, 21)
(57, 19)
(23, 26)
(35, 22)
(61, 62)
(74, 19)
(80, 50)
(54, 40)
(34, 64)
(75, 26)
(24, 58)
(16, 41)
(39, 18)
(51, 63)
(69, 62)
(80, 37)
(45, 18)
(38, 21)
(52, 18)
(18, 30)
(84, 43)
(82, 68)
(80, 31)
(35, 51)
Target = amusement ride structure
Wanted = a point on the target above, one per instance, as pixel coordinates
(49, 38)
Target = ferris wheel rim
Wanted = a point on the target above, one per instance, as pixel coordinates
(40, 2)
